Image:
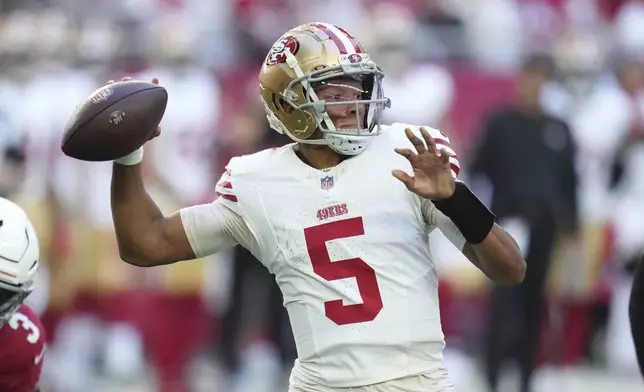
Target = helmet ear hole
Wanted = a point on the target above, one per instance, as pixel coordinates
(284, 106)
(280, 104)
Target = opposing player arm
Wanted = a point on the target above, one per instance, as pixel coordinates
(147, 238)
(470, 226)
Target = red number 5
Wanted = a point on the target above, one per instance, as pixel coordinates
(316, 239)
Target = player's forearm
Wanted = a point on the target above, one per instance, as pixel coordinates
(135, 215)
(488, 246)
(498, 256)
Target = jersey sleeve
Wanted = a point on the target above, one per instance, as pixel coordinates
(23, 349)
(225, 191)
(215, 227)
(435, 218)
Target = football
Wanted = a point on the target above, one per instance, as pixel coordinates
(114, 121)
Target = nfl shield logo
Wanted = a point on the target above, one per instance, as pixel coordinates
(101, 95)
(326, 182)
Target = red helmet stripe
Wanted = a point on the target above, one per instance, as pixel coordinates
(354, 41)
(328, 30)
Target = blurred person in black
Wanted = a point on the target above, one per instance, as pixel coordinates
(528, 157)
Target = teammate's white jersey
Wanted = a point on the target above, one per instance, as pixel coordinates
(348, 247)
(43, 125)
(182, 157)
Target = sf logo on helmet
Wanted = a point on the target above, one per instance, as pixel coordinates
(355, 58)
(277, 54)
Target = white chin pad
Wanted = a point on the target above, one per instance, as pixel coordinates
(347, 145)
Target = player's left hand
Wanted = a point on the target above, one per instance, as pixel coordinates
(432, 177)
(154, 81)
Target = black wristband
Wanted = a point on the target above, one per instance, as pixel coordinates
(468, 213)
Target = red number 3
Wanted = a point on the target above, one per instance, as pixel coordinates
(316, 239)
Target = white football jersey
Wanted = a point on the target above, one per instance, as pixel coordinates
(424, 95)
(182, 157)
(348, 248)
(44, 121)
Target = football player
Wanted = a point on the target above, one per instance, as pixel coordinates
(22, 337)
(340, 217)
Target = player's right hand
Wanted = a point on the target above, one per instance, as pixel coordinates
(155, 81)
(432, 176)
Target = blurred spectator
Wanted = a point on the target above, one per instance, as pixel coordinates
(444, 33)
(12, 156)
(446, 62)
(627, 179)
(626, 209)
(528, 157)
(420, 93)
(629, 26)
(248, 323)
(495, 33)
(602, 126)
(179, 172)
(636, 313)
(348, 14)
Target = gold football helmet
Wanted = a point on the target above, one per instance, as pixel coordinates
(309, 56)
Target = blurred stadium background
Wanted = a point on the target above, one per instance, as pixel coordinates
(217, 324)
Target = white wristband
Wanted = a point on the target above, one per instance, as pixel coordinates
(133, 158)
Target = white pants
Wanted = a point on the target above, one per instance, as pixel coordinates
(435, 381)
